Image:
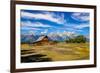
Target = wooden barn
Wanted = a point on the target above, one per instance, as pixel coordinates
(42, 40)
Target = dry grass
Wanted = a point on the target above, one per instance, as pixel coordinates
(60, 51)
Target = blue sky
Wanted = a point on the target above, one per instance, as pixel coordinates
(46, 22)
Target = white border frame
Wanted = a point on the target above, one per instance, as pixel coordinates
(20, 65)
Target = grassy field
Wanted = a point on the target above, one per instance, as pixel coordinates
(54, 52)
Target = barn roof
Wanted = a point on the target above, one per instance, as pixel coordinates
(40, 38)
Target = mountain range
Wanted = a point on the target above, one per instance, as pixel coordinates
(31, 38)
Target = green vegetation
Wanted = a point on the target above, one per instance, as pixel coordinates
(78, 39)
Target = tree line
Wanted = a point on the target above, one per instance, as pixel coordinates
(77, 39)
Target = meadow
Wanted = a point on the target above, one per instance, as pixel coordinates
(61, 51)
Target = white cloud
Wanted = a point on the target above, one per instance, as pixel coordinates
(46, 16)
(28, 28)
(81, 26)
(80, 16)
(36, 24)
(76, 26)
(44, 32)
